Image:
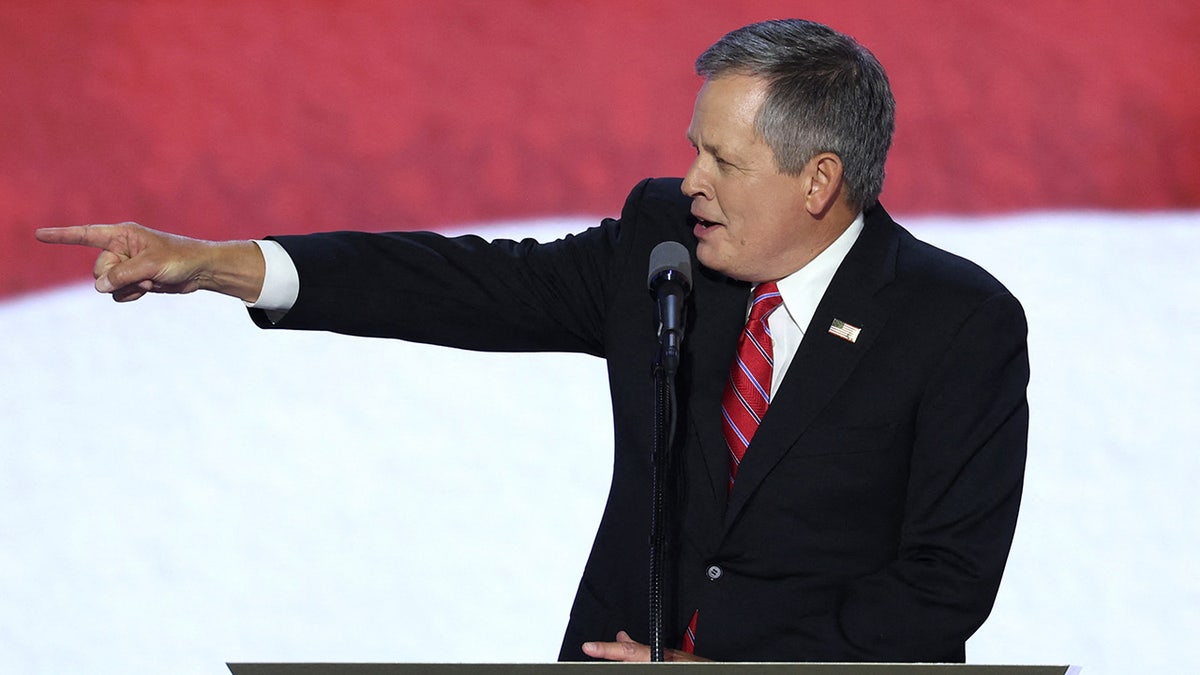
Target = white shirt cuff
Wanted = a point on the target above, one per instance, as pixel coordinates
(281, 281)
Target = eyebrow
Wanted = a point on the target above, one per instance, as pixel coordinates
(710, 148)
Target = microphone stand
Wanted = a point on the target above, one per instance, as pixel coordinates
(669, 281)
(664, 433)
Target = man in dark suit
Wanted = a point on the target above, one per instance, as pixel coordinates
(869, 512)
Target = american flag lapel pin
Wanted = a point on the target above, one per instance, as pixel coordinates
(844, 330)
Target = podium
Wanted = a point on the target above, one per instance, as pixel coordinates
(601, 668)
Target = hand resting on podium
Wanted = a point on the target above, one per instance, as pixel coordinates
(626, 648)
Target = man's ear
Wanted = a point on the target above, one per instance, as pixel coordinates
(824, 184)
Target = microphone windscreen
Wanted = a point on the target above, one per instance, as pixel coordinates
(670, 255)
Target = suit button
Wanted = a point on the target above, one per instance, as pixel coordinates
(714, 572)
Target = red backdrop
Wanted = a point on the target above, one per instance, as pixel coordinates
(223, 119)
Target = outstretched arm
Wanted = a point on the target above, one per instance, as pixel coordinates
(135, 260)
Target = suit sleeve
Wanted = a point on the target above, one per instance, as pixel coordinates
(964, 492)
(457, 291)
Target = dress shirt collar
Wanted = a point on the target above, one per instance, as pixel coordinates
(802, 290)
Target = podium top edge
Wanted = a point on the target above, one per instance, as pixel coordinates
(592, 668)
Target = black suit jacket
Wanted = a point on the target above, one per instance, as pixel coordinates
(874, 510)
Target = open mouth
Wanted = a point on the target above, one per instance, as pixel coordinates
(703, 228)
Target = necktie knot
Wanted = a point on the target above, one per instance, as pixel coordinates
(766, 299)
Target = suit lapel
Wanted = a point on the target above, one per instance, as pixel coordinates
(720, 308)
(823, 361)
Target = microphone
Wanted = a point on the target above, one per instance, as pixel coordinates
(670, 281)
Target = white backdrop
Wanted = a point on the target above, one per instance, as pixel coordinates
(179, 489)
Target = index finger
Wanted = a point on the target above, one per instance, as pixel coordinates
(97, 236)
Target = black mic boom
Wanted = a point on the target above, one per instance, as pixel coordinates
(670, 281)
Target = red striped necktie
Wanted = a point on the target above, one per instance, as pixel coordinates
(747, 395)
(748, 391)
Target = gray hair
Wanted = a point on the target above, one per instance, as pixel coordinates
(825, 93)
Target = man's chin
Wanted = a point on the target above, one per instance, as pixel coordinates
(708, 255)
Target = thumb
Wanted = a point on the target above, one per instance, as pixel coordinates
(113, 273)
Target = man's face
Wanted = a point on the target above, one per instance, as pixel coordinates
(753, 223)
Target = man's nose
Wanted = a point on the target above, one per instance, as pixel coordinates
(695, 184)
